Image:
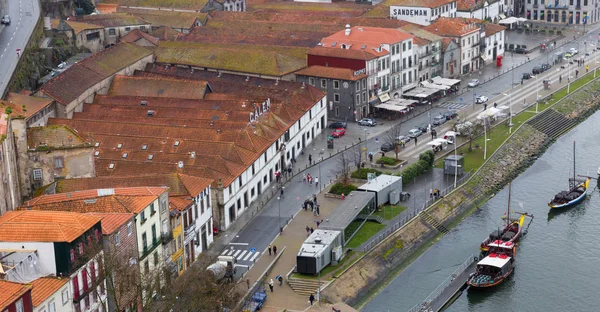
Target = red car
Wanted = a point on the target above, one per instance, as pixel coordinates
(338, 132)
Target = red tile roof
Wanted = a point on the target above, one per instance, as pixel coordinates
(44, 226)
(107, 8)
(80, 77)
(368, 39)
(331, 72)
(58, 136)
(136, 35)
(180, 203)
(110, 20)
(44, 287)
(491, 29)
(119, 200)
(11, 292)
(453, 27)
(111, 222)
(419, 3)
(24, 105)
(342, 53)
(229, 144)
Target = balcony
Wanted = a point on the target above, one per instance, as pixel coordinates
(148, 249)
(167, 237)
(190, 230)
(426, 54)
(535, 5)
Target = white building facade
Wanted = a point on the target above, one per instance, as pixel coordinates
(490, 10)
(425, 14)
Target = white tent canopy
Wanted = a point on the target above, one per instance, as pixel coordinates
(437, 142)
(490, 112)
(420, 92)
(396, 108)
(430, 85)
(445, 81)
(402, 102)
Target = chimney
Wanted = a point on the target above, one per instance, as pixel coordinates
(347, 32)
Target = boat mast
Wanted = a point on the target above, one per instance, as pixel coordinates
(574, 164)
(508, 208)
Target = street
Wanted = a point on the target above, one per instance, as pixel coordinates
(24, 15)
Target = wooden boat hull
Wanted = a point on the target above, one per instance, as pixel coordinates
(484, 246)
(574, 201)
(494, 284)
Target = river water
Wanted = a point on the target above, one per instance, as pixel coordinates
(557, 261)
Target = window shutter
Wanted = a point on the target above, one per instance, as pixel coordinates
(84, 279)
(93, 272)
(75, 288)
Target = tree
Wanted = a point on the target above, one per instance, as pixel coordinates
(392, 137)
(357, 155)
(87, 6)
(343, 167)
(472, 131)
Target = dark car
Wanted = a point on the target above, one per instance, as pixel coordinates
(423, 127)
(450, 115)
(387, 147)
(546, 66)
(528, 75)
(439, 120)
(337, 124)
(520, 50)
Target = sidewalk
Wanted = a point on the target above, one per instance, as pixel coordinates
(292, 237)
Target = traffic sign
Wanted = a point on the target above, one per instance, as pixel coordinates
(253, 249)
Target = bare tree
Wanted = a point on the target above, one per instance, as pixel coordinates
(392, 137)
(343, 168)
(471, 130)
(357, 155)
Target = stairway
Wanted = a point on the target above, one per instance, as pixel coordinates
(552, 123)
(433, 222)
(371, 218)
(304, 286)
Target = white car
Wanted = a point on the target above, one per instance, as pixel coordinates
(481, 99)
(573, 51)
(473, 83)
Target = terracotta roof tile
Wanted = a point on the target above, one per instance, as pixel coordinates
(180, 203)
(119, 200)
(342, 53)
(136, 35)
(44, 226)
(24, 105)
(173, 181)
(45, 287)
(110, 20)
(11, 292)
(81, 26)
(112, 221)
(147, 86)
(107, 8)
(368, 39)
(163, 4)
(166, 33)
(331, 72)
(157, 18)
(77, 79)
(453, 27)
(491, 29)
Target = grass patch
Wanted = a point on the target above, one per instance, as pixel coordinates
(388, 161)
(369, 229)
(341, 188)
(388, 212)
(363, 172)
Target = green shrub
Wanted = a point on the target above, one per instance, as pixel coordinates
(341, 188)
(387, 161)
(362, 173)
(424, 163)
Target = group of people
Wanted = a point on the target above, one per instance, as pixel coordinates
(307, 178)
(314, 207)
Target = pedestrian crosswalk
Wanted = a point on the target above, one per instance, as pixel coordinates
(453, 105)
(245, 255)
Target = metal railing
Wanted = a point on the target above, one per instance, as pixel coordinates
(425, 304)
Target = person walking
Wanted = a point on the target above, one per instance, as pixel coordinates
(311, 299)
(271, 284)
(269, 250)
(304, 178)
(274, 250)
(281, 191)
(307, 231)
(279, 279)
(415, 141)
(495, 104)
(484, 106)
(587, 68)
(370, 157)
(317, 182)
(432, 134)
(309, 159)
(312, 230)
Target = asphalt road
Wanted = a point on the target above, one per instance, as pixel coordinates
(24, 15)
(262, 229)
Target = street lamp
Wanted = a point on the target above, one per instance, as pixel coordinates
(474, 94)
(320, 161)
(485, 139)
(537, 93)
(510, 124)
(456, 160)
(279, 203)
(366, 148)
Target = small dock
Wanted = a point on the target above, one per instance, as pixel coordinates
(449, 290)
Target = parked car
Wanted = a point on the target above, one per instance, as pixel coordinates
(439, 120)
(337, 124)
(573, 51)
(520, 50)
(367, 122)
(403, 139)
(473, 83)
(338, 132)
(6, 20)
(413, 133)
(450, 115)
(528, 75)
(568, 55)
(387, 147)
(546, 66)
(481, 99)
(423, 127)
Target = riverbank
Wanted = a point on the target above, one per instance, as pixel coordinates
(372, 271)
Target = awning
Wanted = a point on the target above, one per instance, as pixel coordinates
(396, 108)
(374, 101)
(502, 16)
(420, 92)
(490, 112)
(384, 97)
(430, 85)
(437, 142)
(445, 81)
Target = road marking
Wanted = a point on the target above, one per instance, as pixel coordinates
(225, 252)
(236, 253)
(4, 50)
(248, 256)
(254, 257)
(2, 55)
(241, 265)
(242, 254)
(239, 244)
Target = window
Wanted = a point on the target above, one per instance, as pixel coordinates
(125, 155)
(409, 45)
(323, 83)
(336, 84)
(92, 36)
(143, 216)
(37, 174)
(129, 228)
(336, 97)
(65, 296)
(117, 238)
(145, 241)
(155, 258)
(112, 32)
(152, 210)
(176, 143)
(357, 86)
(403, 46)
(357, 99)
(144, 147)
(51, 306)
(153, 233)
(119, 145)
(142, 27)
(240, 181)
(311, 81)
(127, 28)
(337, 111)
(19, 305)
(58, 163)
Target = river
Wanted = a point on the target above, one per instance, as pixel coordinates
(556, 261)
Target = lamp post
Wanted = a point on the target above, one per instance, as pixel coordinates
(569, 79)
(279, 204)
(456, 160)
(474, 94)
(366, 148)
(537, 93)
(320, 161)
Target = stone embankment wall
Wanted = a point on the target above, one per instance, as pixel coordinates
(379, 266)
